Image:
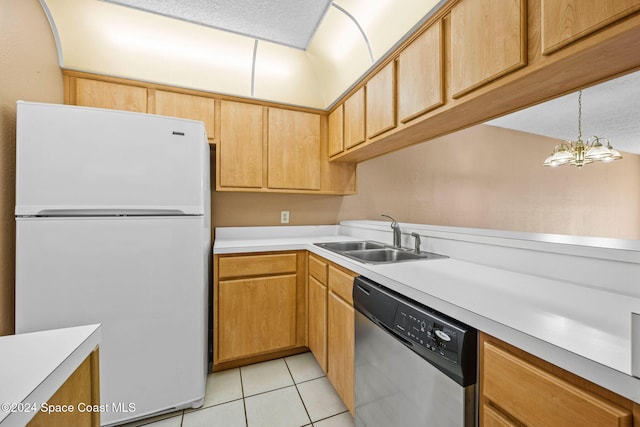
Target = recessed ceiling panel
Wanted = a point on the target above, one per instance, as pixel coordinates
(287, 22)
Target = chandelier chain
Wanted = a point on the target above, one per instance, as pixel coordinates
(580, 116)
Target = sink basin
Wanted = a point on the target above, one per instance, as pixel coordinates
(351, 246)
(375, 252)
(378, 256)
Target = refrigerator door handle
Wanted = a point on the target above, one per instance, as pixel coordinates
(109, 212)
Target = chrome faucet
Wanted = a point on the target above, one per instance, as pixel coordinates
(417, 244)
(397, 234)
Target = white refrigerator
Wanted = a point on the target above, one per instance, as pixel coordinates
(113, 227)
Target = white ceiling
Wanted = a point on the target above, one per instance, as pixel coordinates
(610, 110)
(288, 22)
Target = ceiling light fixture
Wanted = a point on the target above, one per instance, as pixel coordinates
(579, 153)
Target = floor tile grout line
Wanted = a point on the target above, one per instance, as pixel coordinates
(244, 402)
(299, 395)
(331, 416)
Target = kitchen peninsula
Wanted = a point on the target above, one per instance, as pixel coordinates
(566, 300)
(51, 377)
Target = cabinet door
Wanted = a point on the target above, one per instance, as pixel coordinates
(381, 101)
(186, 107)
(420, 67)
(115, 96)
(535, 396)
(318, 321)
(564, 21)
(340, 348)
(336, 131)
(82, 388)
(293, 150)
(354, 120)
(492, 418)
(488, 40)
(256, 315)
(240, 148)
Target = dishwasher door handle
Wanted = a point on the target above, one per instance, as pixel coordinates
(365, 290)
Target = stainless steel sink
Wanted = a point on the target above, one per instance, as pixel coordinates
(376, 253)
(351, 246)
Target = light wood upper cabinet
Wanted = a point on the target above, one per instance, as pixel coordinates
(336, 131)
(185, 107)
(381, 101)
(354, 119)
(99, 94)
(517, 386)
(488, 40)
(564, 21)
(420, 83)
(240, 149)
(293, 150)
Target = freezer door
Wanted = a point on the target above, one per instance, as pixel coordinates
(77, 158)
(145, 280)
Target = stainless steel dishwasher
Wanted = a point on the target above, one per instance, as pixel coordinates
(413, 365)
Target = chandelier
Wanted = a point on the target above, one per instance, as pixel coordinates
(581, 153)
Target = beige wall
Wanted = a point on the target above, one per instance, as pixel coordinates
(29, 71)
(488, 177)
(482, 177)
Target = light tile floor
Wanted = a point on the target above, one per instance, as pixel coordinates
(288, 392)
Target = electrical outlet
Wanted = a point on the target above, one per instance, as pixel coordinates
(284, 217)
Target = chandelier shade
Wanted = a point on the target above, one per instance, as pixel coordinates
(579, 153)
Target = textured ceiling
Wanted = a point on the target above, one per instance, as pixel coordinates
(609, 110)
(288, 22)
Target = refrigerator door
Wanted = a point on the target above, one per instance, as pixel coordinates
(145, 280)
(74, 159)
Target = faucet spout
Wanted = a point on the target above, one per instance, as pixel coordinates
(397, 234)
(417, 243)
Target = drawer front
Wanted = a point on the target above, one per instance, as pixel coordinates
(256, 265)
(341, 283)
(318, 269)
(536, 397)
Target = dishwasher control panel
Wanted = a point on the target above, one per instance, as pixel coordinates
(446, 343)
(428, 331)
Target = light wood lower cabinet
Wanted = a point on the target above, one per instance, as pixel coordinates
(518, 389)
(259, 307)
(340, 348)
(331, 324)
(80, 391)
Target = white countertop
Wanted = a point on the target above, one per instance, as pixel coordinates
(582, 329)
(33, 366)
